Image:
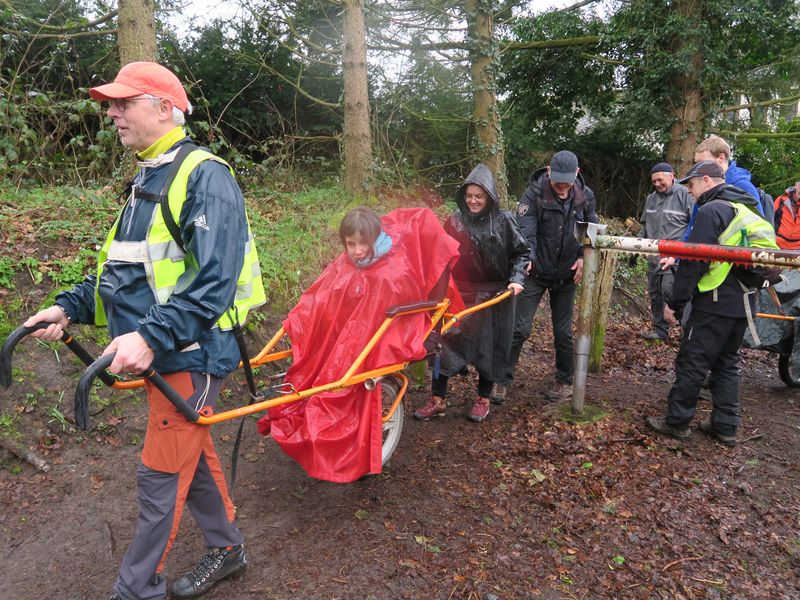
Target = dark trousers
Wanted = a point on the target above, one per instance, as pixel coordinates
(562, 297)
(710, 343)
(439, 386)
(657, 281)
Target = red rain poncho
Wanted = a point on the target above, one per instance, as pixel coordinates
(337, 436)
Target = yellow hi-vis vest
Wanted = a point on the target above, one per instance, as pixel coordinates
(165, 262)
(746, 229)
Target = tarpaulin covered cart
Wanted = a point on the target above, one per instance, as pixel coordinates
(777, 328)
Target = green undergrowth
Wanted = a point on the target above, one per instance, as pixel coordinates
(52, 235)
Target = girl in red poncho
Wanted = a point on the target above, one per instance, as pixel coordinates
(388, 261)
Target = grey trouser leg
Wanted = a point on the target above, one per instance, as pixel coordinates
(562, 298)
(208, 509)
(157, 493)
(655, 289)
(562, 301)
(527, 304)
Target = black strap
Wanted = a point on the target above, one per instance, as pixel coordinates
(778, 217)
(163, 197)
(238, 330)
(126, 191)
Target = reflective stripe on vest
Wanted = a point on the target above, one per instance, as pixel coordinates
(165, 263)
(745, 229)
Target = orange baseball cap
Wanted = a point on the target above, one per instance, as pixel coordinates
(143, 78)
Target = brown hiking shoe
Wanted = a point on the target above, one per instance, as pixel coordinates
(561, 391)
(479, 410)
(660, 425)
(436, 407)
(708, 428)
(499, 394)
(653, 336)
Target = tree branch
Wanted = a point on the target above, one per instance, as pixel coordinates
(589, 40)
(576, 6)
(785, 100)
(758, 135)
(60, 28)
(60, 36)
(296, 86)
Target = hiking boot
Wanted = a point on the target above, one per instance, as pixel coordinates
(660, 425)
(562, 391)
(436, 407)
(218, 564)
(708, 428)
(115, 597)
(499, 394)
(653, 336)
(479, 410)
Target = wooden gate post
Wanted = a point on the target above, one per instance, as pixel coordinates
(604, 286)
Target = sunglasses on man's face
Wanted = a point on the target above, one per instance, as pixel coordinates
(122, 104)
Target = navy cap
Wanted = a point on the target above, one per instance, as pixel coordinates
(563, 167)
(704, 168)
(662, 167)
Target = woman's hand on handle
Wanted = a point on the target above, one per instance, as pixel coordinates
(515, 288)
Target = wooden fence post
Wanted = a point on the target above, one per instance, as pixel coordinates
(601, 301)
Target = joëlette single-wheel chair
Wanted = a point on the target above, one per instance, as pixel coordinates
(390, 377)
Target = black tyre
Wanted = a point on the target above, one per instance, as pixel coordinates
(393, 428)
(789, 370)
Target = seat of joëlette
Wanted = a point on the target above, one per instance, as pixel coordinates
(336, 436)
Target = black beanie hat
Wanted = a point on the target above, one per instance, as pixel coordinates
(662, 167)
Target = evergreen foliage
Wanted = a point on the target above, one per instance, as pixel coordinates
(267, 89)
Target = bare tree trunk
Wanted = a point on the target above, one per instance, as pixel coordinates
(137, 31)
(485, 114)
(356, 133)
(688, 111)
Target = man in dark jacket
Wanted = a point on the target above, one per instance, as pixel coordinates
(166, 292)
(665, 217)
(720, 304)
(556, 199)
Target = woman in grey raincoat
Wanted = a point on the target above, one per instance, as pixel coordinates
(493, 257)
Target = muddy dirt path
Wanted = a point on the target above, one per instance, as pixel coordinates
(525, 505)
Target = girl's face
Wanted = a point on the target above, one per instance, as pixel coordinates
(475, 197)
(357, 246)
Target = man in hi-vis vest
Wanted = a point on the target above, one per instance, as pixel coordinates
(721, 306)
(177, 271)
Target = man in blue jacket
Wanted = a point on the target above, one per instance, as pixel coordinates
(176, 273)
(717, 149)
(556, 199)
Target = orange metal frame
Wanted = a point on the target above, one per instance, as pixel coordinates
(351, 377)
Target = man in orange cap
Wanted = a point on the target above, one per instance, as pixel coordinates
(176, 274)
